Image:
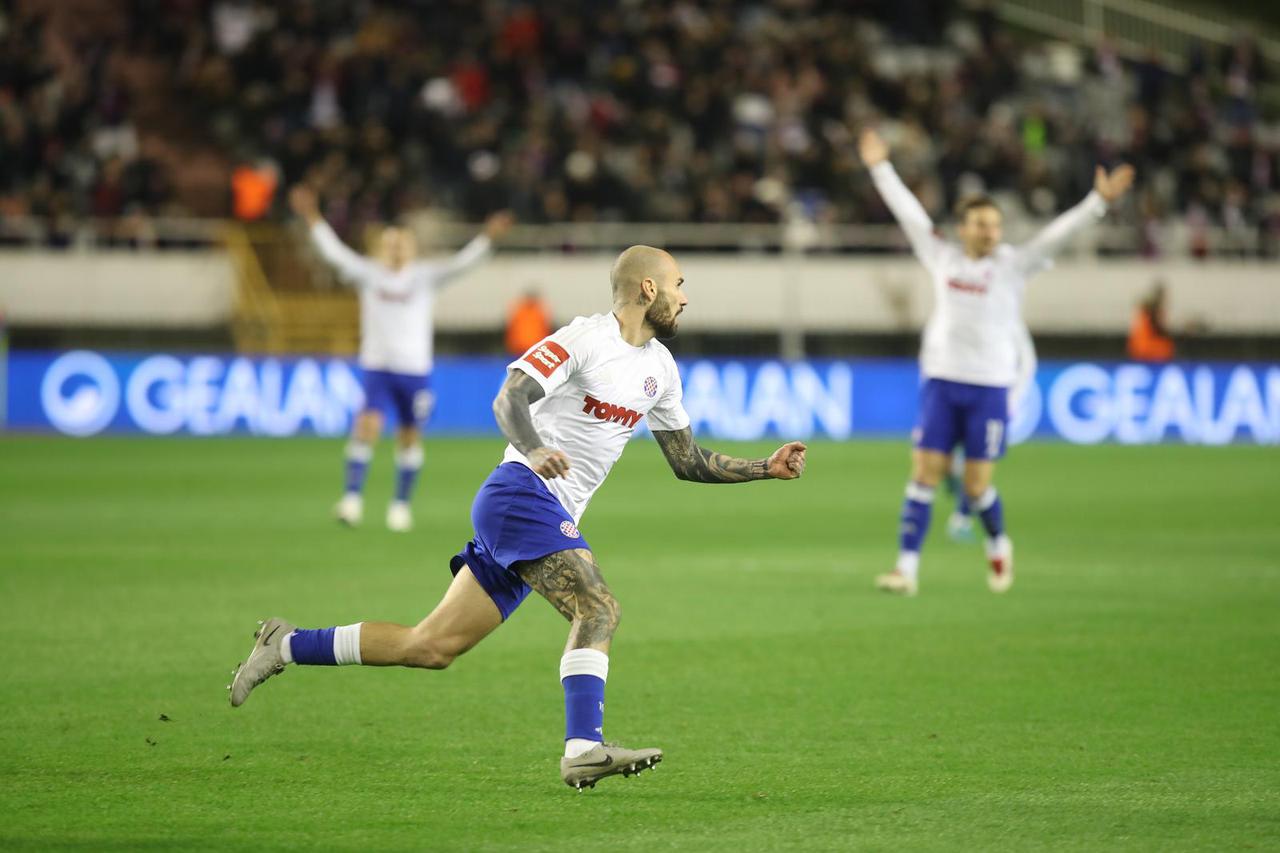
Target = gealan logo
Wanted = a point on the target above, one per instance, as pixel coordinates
(609, 412)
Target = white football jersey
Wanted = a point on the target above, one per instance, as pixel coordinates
(598, 388)
(973, 333)
(396, 308)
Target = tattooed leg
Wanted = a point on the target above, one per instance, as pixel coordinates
(572, 582)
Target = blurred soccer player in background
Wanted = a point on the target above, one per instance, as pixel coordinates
(397, 297)
(969, 355)
(568, 408)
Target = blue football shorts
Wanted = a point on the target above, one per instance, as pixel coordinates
(406, 395)
(516, 518)
(951, 413)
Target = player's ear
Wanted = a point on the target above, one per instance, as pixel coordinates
(648, 289)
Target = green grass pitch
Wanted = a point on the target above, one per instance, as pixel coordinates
(1124, 695)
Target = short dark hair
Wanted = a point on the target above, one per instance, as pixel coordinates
(974, 202)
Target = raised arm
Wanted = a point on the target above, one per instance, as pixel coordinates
(696, 464)
(511, 408)
(477, 251)
(349, 264)
(906, 208)
(1107, 188)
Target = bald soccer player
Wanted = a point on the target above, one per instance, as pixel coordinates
(568, 407)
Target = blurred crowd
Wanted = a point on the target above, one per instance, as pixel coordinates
(661, 110)
(69, 148)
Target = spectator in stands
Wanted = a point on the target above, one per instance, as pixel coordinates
(528, 322)
(253, 189)
(1149, 337)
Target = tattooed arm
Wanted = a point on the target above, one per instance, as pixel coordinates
(511, 408)
(696, 464)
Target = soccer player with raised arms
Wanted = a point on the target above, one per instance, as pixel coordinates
(397, 296)
(969, 356)
(568, 408)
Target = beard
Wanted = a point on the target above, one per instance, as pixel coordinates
(661, 317)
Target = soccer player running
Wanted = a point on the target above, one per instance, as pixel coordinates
(969, 356)
(568, 408)
(397, 298)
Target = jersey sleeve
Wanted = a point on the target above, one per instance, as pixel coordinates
(351, 267)
(470, 256)
(1037, 253)
(911, 215)
(669, 413)
(555, 358)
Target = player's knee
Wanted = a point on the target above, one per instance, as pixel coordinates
(604, 611)
(368, 426)
(929, 472)
(976, 485)
(427, 652)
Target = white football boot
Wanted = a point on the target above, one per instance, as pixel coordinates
(960, 527)
(1000, 558)
(399, 517)
(349, 510)
(606, 759)
(897, 583)
(263, 662)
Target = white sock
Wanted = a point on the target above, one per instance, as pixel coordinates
(359, 451)
(998, 546)
(409, 457)
(575, 746)
(286, 648)
(346, 644)
(983, 502)
(909, 564)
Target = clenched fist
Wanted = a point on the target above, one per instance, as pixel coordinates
(787, 462)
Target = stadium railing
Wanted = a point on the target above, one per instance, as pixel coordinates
(1138, 26)
(1171, 238)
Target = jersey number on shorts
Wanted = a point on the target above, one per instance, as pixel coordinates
(546, 357)
(423, 401)
(995, 432)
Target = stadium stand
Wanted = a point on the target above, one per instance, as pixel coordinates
(725, 112)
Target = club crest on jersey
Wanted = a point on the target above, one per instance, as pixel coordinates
(650, 386)
(567, 528)
(546, 357)
(610, 411)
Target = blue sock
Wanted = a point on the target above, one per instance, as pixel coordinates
(991, 511)
(358, 456)
(583, 673)
(916, 510)
(962, 503)
(408, 464)
(325, 646)
(313, 646)
(583, 707)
